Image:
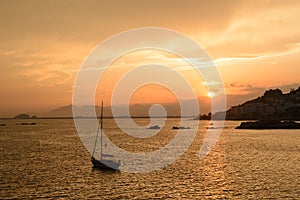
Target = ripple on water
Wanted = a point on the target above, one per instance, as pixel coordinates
(48, 160)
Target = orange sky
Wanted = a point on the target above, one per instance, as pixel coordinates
(254, 44)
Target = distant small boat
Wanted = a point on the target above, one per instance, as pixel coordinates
(26, 123)
(103, 163)
(180, 127)
(154, 127)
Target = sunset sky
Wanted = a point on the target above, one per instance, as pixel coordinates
(254, 44)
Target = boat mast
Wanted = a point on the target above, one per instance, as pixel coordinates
(101, 126)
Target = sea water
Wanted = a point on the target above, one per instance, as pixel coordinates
(49, 160)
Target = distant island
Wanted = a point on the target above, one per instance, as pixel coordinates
(269, 124)
(273, 105)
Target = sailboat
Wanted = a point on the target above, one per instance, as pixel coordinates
(103, 163)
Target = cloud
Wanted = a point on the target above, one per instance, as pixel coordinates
(239, 88)
(264, 29)
(292, 49)
(246, 89)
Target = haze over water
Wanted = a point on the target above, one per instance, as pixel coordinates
(49, 160)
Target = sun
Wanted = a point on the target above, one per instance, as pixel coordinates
(211, 94)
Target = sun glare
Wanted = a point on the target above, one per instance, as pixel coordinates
(210, 94)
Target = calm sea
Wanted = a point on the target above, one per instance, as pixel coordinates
(48, 160)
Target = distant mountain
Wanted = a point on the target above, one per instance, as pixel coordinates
(66, 111)
(272, 105)
(136, 110)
